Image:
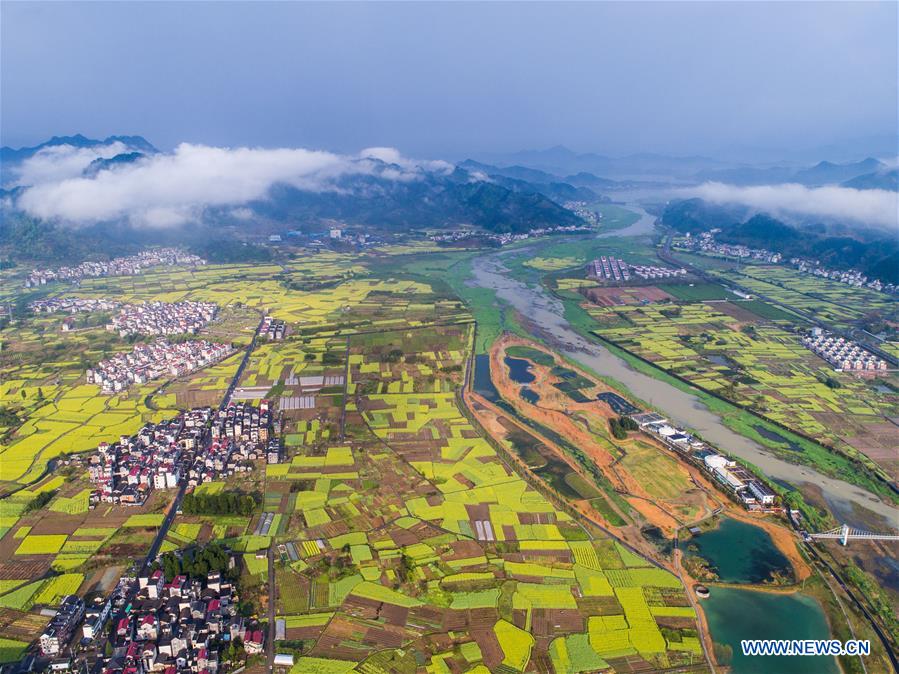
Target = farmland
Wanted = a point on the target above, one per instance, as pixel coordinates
(829, 301)
(407, 518)
(762, 365)
(42, 372)
(564, 437)
(417, 514)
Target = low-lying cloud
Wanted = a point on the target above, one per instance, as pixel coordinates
(871, 207)
(166, 190)
(59, 162)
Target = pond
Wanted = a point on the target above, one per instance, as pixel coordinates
(519, 370)
(740, 553)
(734, 614)
(777, 437)
(483, 385)
(529, 395)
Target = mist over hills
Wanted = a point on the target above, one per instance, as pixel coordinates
(121, 184)
(871, 251)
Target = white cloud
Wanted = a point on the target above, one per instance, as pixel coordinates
(170, 189)
(390, 155)
(59, 162)
(872, 207)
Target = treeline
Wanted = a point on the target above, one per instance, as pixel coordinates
(40, 500)
(224, 503)
(223, 251)
(196, 562)
(620, 427)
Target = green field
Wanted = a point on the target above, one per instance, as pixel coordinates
(760, 366)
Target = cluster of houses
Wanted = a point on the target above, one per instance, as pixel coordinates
(180, 625)
(126, 472)
(160, 625)
(503, 239)
(584, 212)
(272, 328)
(241, 434)
(752, 492)
(72, 305)
(150, 318)
(163, 318)
(119, 266)
(242, 422)
(843, 354)
(851, 277)
(705, 243)
(147, 362)
(613, 269)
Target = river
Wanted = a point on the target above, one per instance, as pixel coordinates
(544, 317)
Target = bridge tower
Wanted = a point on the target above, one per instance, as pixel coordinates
(844, 534)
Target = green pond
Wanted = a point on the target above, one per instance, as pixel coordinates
(734, 614)
(740, 553)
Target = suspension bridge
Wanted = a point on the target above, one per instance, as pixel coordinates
(845, 533)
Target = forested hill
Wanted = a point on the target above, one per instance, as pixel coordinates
(874, 253)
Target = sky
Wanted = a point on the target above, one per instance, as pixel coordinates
(446, 80)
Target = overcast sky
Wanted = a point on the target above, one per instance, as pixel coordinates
(453, 79)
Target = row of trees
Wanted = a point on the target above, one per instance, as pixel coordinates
(224, 503)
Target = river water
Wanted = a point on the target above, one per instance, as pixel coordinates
(544, 317)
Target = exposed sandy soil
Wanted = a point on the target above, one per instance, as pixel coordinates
(612, 296)
(557, 411)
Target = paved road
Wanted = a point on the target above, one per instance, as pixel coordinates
(270, 646)
(182, 490)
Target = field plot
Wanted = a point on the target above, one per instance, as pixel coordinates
(413, 528)
(41, 375)
(612, 296)
(64, 536)
(830, 301)
(761, 366)
(381, 365)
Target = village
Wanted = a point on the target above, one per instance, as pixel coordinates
(150, 318)
(157, 624)
(118, 266)
(843, 354)
(504, 239)
(198, 446)
(163, 318)
(705, 244)
(147, 362)
(177, 623)
(615, 270)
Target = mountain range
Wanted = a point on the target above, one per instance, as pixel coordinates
(653, 170)
(432, 197)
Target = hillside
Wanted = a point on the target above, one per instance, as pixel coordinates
(867, 251)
